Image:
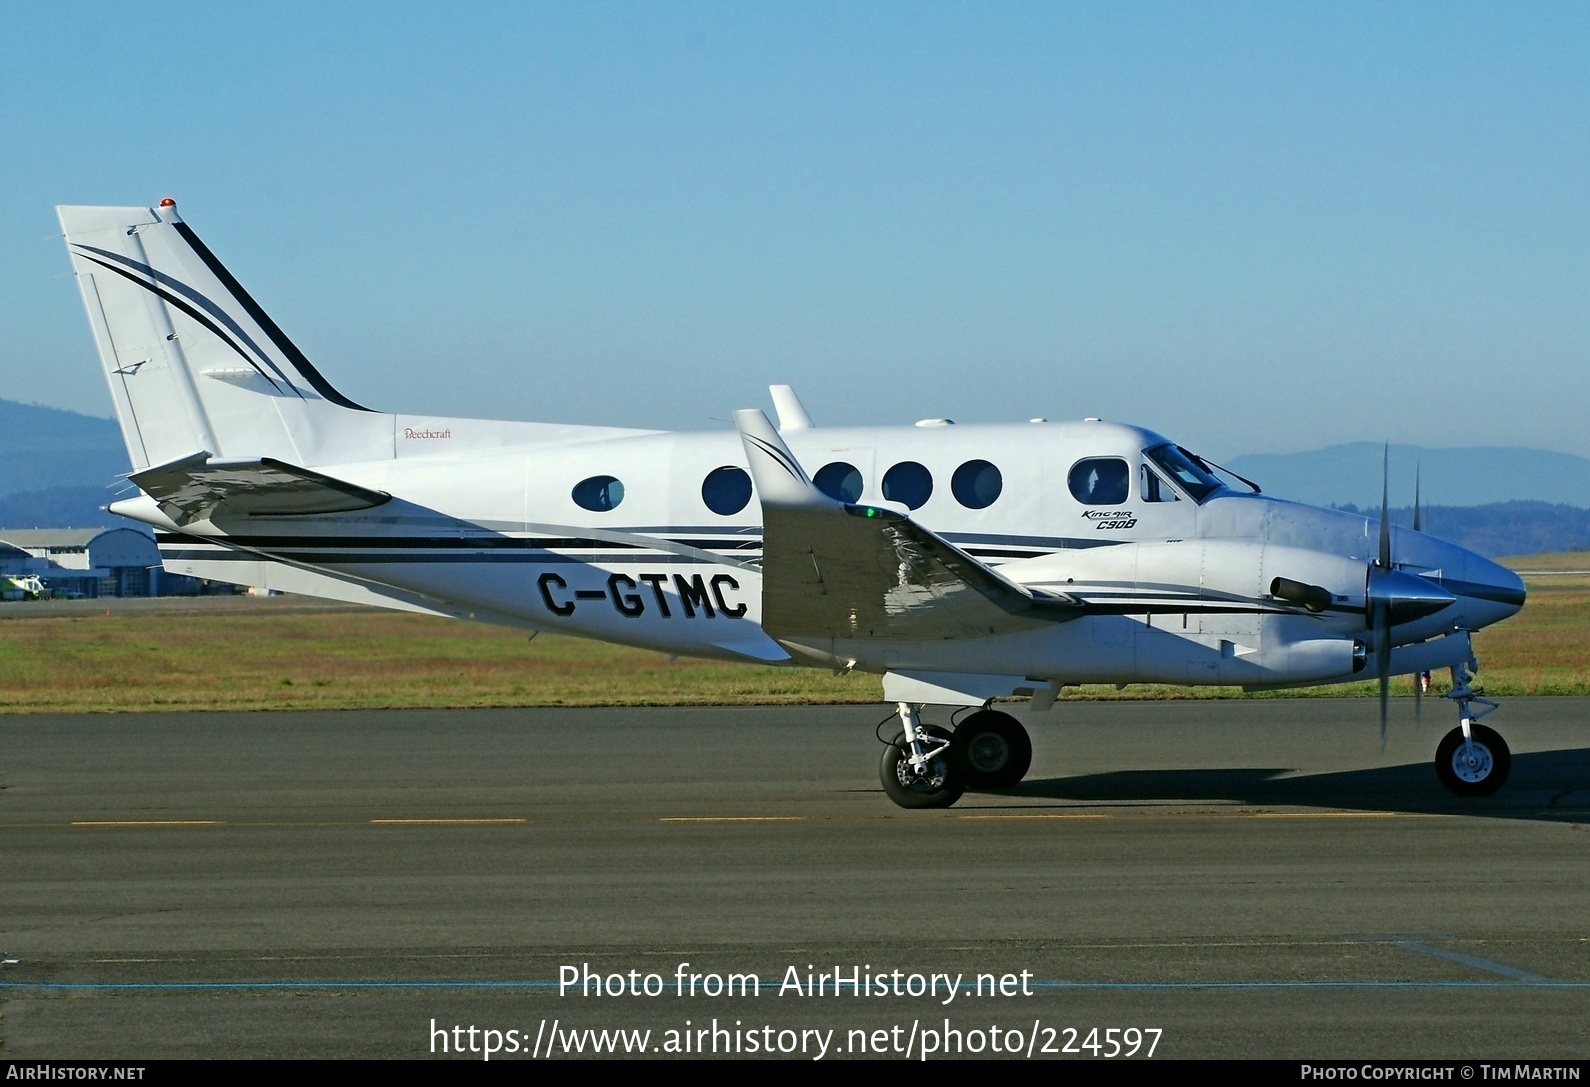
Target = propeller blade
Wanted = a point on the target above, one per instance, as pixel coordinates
(1380, 613)
(1418, 699)
(1383, 666)
(1385, 508)
(1416, 466)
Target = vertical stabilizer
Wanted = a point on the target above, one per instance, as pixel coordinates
(194, 364)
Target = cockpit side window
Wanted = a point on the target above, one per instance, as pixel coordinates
(1156, 489)
(1100, 481)
(1187, 473)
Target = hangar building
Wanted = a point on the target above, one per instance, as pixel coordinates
(90, 561)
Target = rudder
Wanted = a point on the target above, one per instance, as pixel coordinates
(193, 363)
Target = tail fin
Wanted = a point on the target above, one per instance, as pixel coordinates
(194, 364)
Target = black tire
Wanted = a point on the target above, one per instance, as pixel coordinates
(1477, 773)
(995, 748)
(944, 785)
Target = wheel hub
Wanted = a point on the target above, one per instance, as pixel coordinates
(1472, 762)
(988, 752)
(932, 776)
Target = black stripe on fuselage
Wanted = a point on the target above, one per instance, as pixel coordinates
(1496, 594)
(1042, 544)
(1125, 604)
(734, 544)
(455, 551)
(1180, 607)
(1003, 553)
(368, 558)
(443, 543)
(177, 552)
(740, 548)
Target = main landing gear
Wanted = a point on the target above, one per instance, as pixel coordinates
(929, 767)
(1472, 760)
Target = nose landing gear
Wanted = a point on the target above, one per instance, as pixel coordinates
(1472, 760)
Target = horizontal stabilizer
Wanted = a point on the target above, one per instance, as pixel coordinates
(756, 647)
(832, 570)
(201, 487)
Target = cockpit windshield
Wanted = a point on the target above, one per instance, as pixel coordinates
(1184, 468)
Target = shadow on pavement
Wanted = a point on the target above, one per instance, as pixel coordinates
(1544, 785)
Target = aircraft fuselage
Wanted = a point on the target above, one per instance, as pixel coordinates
(1179, 590)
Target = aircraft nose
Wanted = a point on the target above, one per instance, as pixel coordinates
(1491, 592)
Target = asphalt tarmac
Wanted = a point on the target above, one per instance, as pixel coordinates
(1247, 879)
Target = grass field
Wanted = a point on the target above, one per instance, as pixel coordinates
(270, 655)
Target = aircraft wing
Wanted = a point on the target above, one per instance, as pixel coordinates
(201, 487)
(832, 570)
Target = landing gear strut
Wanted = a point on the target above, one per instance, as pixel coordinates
(1472, 760)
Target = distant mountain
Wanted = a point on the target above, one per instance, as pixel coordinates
(1502, 528)
(1474, 476)
(43, 448)
(57, 468)
(61, 507)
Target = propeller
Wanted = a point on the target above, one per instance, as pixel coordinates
(1379, 607)
(1394, 596)
(1416, 466)
(1418, 680)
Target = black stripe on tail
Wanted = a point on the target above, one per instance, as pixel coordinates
(278, 337)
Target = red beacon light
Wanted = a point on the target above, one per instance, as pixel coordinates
(167, 202)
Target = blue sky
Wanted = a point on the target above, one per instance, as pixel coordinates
(1254, 227)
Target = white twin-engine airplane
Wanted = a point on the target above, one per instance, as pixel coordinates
(963, 563)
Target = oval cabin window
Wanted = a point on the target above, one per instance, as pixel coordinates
(908, 483)
(598, 494)
(976, 484)
(1100, 481)
(839, 481)
(726, 490)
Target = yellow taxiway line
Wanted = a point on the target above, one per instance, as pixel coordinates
(974, 817)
